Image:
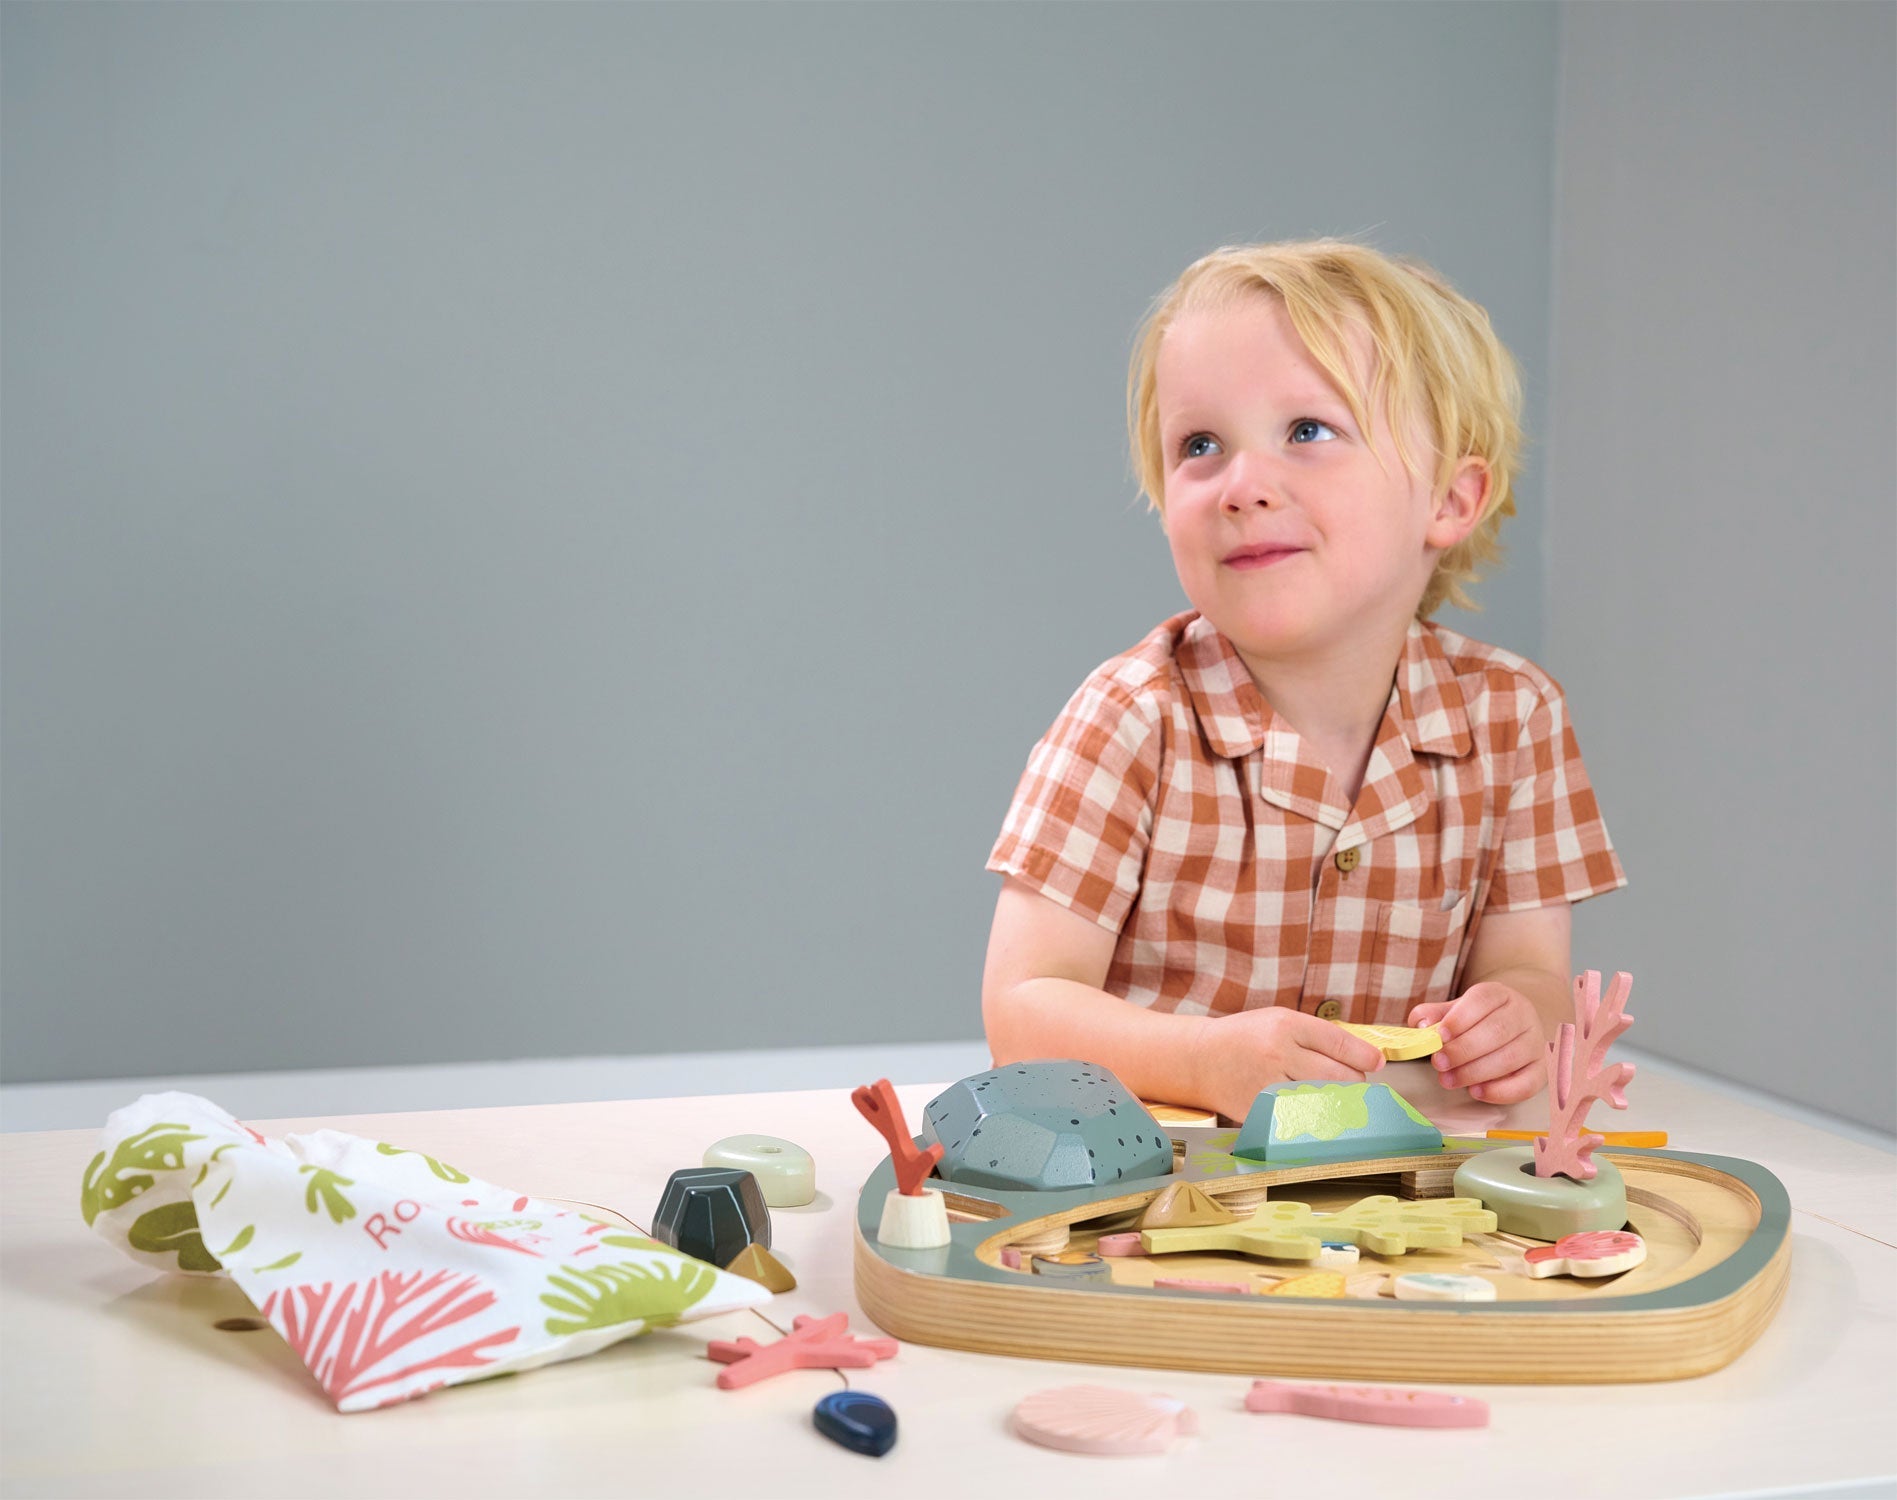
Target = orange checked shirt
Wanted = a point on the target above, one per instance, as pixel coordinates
(1171, 806)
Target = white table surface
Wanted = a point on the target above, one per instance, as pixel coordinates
(114, 1382)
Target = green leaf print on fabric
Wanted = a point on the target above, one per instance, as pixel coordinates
(327, 1185)
(440, 1168)
(634, 1242)
(158, 1148)
(289, 1260)
(172, 1229)
(244, 1237)
(601, 1296)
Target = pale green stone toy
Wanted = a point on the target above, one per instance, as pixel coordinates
(1542, 1208)
(783, 1169)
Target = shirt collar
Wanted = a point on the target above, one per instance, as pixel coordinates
(1427, 703)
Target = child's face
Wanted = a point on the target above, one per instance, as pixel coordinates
(1287, 533)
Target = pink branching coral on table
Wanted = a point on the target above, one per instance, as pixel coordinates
(1577, 1077)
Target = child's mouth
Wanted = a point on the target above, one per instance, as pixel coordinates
(1248, 558)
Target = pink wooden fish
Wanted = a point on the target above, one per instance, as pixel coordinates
(1369, 1403)
(1598, 1252)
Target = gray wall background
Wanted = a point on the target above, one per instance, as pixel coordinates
(551, 531)
(1722, 525)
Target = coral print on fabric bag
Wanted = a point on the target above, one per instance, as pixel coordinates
(389, 1272)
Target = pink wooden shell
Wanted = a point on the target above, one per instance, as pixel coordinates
(1101, 1419)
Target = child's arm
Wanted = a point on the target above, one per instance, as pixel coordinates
(1518, 992)
(1042, 998)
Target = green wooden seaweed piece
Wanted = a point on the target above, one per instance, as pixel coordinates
(1294, 1231)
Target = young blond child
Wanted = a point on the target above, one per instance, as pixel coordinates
(1301, 801)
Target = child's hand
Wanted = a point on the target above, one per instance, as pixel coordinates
(1242, 1053)
(1492, 1043)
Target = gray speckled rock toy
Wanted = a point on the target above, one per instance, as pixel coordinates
(1043, 1127)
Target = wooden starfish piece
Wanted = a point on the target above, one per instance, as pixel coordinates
(1294, 1231)
(812, 1344)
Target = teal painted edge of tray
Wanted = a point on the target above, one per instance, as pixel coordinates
(957, 1260)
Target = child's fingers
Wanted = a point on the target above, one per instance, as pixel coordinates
(1490, 1066)
(1320, 1067)
(1338, 1044)
(1471, 1008)
(1429, 1013)
(1523, 1083)
(1493, 1033)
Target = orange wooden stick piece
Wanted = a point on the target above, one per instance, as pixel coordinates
(877, 1103)
(1610, 1137)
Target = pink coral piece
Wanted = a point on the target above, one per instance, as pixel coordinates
(1577, 1077)
(1119, 1244)
(812, 1344)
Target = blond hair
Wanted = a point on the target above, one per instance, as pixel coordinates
(1434, 357)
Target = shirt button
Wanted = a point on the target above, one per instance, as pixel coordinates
(1347, 859)
(1330, 1010)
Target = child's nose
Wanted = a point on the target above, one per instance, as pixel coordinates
(1250, 480)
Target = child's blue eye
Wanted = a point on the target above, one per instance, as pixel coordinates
(1305, 430)
(1199, 445)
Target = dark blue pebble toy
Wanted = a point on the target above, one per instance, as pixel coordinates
(859, 1421)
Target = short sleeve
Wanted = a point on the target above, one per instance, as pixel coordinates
(1554, 844)
(1082, 816)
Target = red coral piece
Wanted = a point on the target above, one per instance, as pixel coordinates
(344, 1344)
(877, 1103)
(812, 1344)
(1576, 1078)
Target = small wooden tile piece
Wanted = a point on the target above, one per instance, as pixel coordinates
(1076, 1268)
(1182, 1114)
(1437, 1286)
(1311, 1284)
(1365, 1403)
(1185, 1205)
(1398, 1043)
(1101, 1419)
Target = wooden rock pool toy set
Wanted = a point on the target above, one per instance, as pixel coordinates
(1336, 1234)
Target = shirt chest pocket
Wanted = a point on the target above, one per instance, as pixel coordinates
(1416, 952)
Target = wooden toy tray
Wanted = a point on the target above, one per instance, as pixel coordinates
(1718, 1254)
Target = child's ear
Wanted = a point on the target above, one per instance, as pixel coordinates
(1455, 512)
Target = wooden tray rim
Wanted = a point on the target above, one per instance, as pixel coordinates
(958, 1261)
